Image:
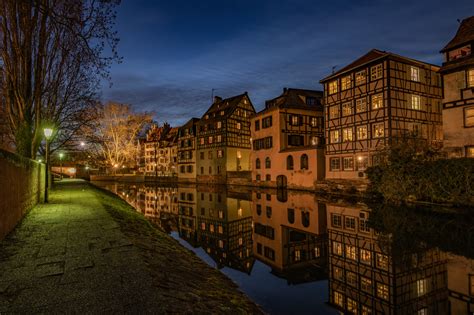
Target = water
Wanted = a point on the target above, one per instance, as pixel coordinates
(295, 253)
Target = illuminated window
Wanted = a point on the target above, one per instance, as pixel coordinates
(219, 138)
(336, 220)
(415, 74)
(346, 83)
(347, 109)
(220, 153)
(423, 311)
(365, 310)
(351, 279)
(337, 248)
(334, 112)
(338, 273)
(351, 252)
(210, 139)
(361, 132)
(239, 126)
(203, 226)
(381, 261)
(377, 101)
(470, 78)
(295, 120)
(297, 255)
(469, 117)
(361, 105)
(338, 299)
(366, 256)
(219, 124)
(421, 287)
(382, 291)
(314, 121)
(317, 252)
(376, 72)
(360, 77)
(211, 227)
(222, 113)
(202, 140)
(470, 151)
(415, 102)
(366, 284)
(220, 229)
(335, 164)
(348, 163)
(221, 243)
(333, 87)
(378, 130)
(347, 134)
(351, 306)
(335, 136)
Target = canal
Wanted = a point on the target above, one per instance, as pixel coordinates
(295, 253)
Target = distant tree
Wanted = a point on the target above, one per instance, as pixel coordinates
(115, 134)
(52, 55)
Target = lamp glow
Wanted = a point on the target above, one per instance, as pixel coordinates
(48, 132)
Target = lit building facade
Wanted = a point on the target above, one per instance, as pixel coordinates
(376, 101)
(288, 140)
(161, 151)
(187, 151)
(223, 139)
(458, 103)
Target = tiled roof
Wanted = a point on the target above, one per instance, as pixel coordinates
(227, 105)
(464, 34)
(294, 98)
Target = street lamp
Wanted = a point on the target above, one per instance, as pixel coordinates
(48, 132)
(61, 155)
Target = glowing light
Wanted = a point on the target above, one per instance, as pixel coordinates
(61, 155)
(40, 160)
(83, 143)
(360, 158)
(116, 165)
(48, 132)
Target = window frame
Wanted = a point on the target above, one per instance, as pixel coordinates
(465, 110)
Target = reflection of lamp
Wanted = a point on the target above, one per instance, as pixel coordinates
(48, 132)
(61, 155)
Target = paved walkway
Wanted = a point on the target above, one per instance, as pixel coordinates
(74, 255)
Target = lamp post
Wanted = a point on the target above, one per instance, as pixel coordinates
(61, 155)
(47, 134)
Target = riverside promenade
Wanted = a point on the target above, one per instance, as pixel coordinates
(87, 251)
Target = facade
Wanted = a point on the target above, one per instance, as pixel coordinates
(377, 101)
(161, 151)
(187, 151)
(458, 103)
(288, 140)
(223, 136)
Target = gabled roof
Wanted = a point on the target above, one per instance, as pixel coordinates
(190, 123)
(295, 98)
(375, 55)
(464, 35)
(227, 105)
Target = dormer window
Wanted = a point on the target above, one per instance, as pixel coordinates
(206, 117)
(459, 52)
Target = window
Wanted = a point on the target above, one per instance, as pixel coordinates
(337, 248)
(377, 101)
(471, 285)
(268, 163)
(415, 74)
(269, 253)
(348, 163)
(239, 126)
(346, 83)
(361, 132)
(202, 140)
(351, 279)
(220, 153)
(257, 164)
(378, 130)
(347, 109)
(366, 256)
(335, 136)
(338, 274)
(267, 122)
(338, 299)
(334, 112)
(351, 252)
(295, 120)
(311, 101)
(304, 162)
(202, 170)
(259, 209)
(332, 87)
(470, 151)
(268, 177)
(289, 162)
(351, 306)
(360, 77)
(336, 220)
(219, 124)
(335, 164)
(210, 170)
(291, 216)
(422, 311)
(470, 78)
(415, 102)
(190, 168)
(219, 138)
(364, 225)
(469, 117)
(257, 125)
(305, 218)
(314, 122)
(347, 134)
(366, 284)
(421, 287)
(376, 72)
(209, 155)
(349, 223)
(361, 105)
(382, 291)
(295, 140)
(365, 310)
(381, 261)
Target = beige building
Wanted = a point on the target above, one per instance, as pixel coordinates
(187, 151)
(458, 102)
(161, 151)
(288, 140)
(378, 100)
(223, 140)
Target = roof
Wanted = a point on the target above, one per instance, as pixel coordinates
(372, 56)
(464, 35)
(295, 98)
(190, 123)
(227, 105)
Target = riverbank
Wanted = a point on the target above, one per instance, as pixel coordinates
(87, 251)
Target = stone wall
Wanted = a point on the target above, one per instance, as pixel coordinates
(22, 187)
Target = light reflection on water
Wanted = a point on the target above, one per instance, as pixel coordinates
(293, 253)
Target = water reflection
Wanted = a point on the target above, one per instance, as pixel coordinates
(322, 256)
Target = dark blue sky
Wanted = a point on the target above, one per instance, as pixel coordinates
(176, 51)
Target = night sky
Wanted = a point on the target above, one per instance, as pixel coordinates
(175, 52)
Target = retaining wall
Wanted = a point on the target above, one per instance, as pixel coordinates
(21, 188)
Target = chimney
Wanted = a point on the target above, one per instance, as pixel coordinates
(217, 99)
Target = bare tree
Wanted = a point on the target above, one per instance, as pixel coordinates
(116, 134)
(52, 57)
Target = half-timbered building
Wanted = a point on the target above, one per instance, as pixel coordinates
(223, 139)
(458, 103)
(187, 151)
(288, 140)
(376, 101)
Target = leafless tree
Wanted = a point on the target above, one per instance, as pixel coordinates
(53, 54)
